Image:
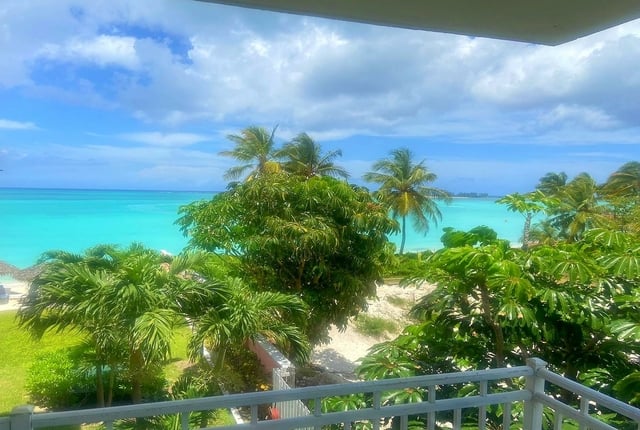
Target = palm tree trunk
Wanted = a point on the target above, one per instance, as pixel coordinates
(526, 231)
(99, 386)
(404, 233)
(135, 368)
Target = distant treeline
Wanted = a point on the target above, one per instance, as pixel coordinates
(474, 195)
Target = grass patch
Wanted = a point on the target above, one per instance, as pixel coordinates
(18, 351)
(400, 302)
(374, 326)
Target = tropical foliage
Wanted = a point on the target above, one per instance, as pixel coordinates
(405, 192)
(255, 149)
(128, 304)
(319, 238)
(304, 157)
(570, 298)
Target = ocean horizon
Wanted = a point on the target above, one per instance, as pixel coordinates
(38, 220)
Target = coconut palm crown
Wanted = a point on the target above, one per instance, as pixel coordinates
(404, 190)
(255, 149)
(304, 157)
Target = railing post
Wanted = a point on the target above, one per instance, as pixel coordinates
(535, 385)
(21, 417)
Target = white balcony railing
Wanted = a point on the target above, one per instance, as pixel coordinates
(493, 387)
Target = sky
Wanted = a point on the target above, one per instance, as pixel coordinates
(142, 94)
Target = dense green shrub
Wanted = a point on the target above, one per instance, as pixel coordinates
(64, 379)
(56, 381)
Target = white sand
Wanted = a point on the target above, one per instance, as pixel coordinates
(17, 290)
(347, 348)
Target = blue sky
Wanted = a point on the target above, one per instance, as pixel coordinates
(141, 95)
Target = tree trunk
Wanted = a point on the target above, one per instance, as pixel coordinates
(99, 386)
(136, 363)
(495, 327)
(526, 231)
(404, 233)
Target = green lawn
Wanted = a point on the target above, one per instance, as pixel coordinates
(19, 349)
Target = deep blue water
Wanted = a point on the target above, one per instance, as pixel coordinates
(34, 221)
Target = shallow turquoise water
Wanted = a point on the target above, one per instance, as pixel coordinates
(34, 221)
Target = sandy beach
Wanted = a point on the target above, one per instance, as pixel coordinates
(342, 355)
(17, 290)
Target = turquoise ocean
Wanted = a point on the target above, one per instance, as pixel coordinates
(33, 221)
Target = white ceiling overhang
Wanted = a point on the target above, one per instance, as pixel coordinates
(548, 22)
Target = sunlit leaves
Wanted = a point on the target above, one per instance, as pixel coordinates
(320, 238)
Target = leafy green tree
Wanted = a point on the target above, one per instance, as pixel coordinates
(304, 157)
(255, 149)
(570, 304)
(404, 190)
(321, 239)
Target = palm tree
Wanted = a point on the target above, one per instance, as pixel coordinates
(403, 189)
(526, 204)
(304, 158)
(624, 182)
(241, 314)
(578, 208)
(551, 183)
(255, 148)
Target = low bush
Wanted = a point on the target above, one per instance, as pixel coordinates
(55, 381)
(374, 326)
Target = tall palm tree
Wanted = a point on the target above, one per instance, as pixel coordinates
(528, 205)
(304, 157)
(578, 208)
(551, 183)
(624, 182)
(404, 189)
(255, 149)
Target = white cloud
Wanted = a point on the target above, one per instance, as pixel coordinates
(8, 124)
(102, 50)
(588, 117)
(165, 139)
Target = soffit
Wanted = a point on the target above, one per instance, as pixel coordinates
(549, 22)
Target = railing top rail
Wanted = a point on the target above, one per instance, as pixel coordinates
(601, 399)
(267, 397)
(77, 417)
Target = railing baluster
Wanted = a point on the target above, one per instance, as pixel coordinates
(431, 417)
(317, 410)
(506, 416)
(482, 410)
(377, 400)
(254, 414)
(404, 422)
(184, 420)
(457, 419)
(557, 420)
(584, 409)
